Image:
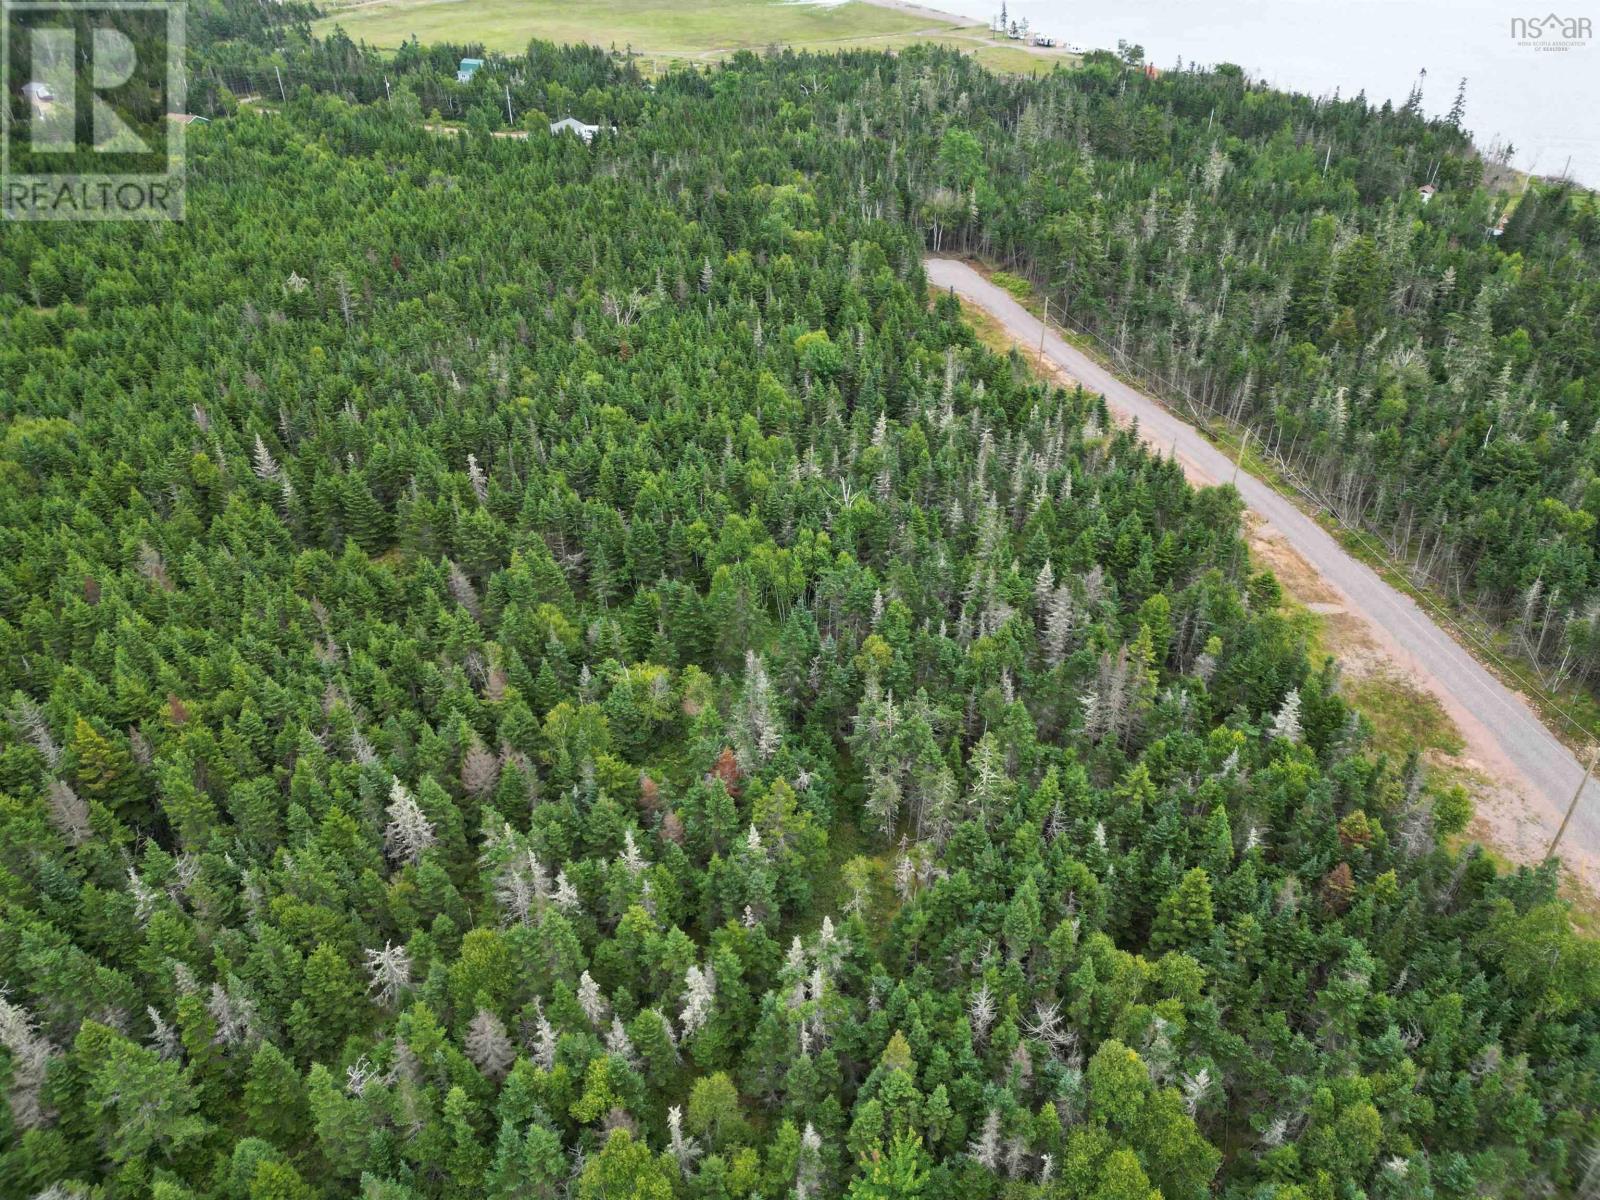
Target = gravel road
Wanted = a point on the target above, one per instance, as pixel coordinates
(1502, 732)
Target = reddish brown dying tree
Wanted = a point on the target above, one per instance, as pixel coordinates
(1338, 888)
(727, 770)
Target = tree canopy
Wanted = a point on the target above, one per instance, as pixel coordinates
(537, 669)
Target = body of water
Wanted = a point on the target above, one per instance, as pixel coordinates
(1543, 101)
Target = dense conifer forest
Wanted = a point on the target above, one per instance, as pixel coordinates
(546, 670)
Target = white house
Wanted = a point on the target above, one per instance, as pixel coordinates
(573, 125)
(1043, 39)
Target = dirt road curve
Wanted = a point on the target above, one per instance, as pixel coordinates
(1501, 731)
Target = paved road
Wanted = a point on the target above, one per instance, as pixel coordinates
(1498, 726)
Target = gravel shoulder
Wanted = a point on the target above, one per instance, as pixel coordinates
(1530, 775)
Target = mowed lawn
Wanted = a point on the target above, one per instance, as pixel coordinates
(666, 29)
(651, 26)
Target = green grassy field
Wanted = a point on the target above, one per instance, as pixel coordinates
(663, 31)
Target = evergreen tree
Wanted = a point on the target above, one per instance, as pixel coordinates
(1185, 917)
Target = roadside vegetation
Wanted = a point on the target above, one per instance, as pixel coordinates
(1414, 349)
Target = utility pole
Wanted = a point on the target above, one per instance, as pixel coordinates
(279, 74)
(1240, 458)
(510, 120)
(386, 95)
(1572, 805)
(1043, 325)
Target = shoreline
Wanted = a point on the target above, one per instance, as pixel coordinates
(986, 36)
(923, 11)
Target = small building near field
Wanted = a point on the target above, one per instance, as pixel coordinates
(1043, 39)
(468, 68)
(1425, 192)
(573, 125)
